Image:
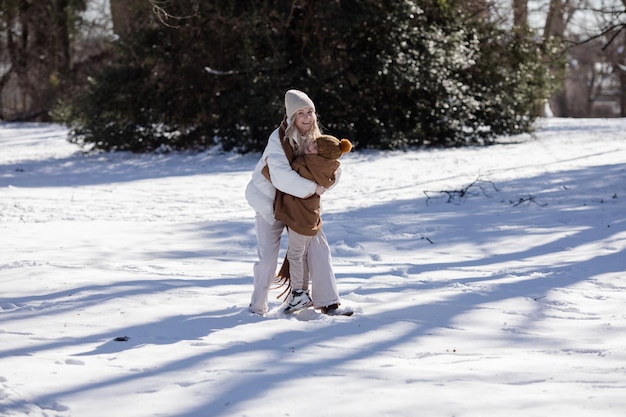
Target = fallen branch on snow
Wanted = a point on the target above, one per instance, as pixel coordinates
(530, 199)
(463, 192)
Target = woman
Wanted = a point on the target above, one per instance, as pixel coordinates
(273, 171)
(302, 217)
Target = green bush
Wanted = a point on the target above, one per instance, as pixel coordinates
(386, 74)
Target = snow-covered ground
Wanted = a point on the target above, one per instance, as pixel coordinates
(486, 282)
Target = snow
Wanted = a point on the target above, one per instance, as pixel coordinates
(506, 300)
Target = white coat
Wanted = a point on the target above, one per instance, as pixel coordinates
(260, 192)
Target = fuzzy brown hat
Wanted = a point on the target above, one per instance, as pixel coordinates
(332, 148)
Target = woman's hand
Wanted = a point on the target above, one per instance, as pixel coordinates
(319, 190)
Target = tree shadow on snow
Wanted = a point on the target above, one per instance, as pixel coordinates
(551, 228)
(547, 234)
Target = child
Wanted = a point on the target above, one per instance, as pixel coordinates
(303, 215)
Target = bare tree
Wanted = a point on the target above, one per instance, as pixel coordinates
(45, 48)
(559, 13)
(602, 39)
(28, 53)
(36, 38)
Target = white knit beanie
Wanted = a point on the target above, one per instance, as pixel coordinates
(295, 100)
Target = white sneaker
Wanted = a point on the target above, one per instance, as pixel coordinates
(299, 300)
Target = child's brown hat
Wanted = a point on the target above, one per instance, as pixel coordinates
(332, 148)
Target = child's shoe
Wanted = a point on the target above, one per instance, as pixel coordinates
(299, 300)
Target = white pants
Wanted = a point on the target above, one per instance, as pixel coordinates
(324, 291)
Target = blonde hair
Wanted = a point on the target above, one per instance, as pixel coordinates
(299, 142)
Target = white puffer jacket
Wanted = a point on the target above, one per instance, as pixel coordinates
(260, 192)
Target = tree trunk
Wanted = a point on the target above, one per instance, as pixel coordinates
(555, 26)
(520, 15)
(62, 37)
(129, 14)
(622, 75)
(622, 78)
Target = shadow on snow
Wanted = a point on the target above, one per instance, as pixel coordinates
(573, 217)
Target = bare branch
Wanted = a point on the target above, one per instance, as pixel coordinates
(463, 192)
(159, 8)
(530, 199)
(601, 34)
